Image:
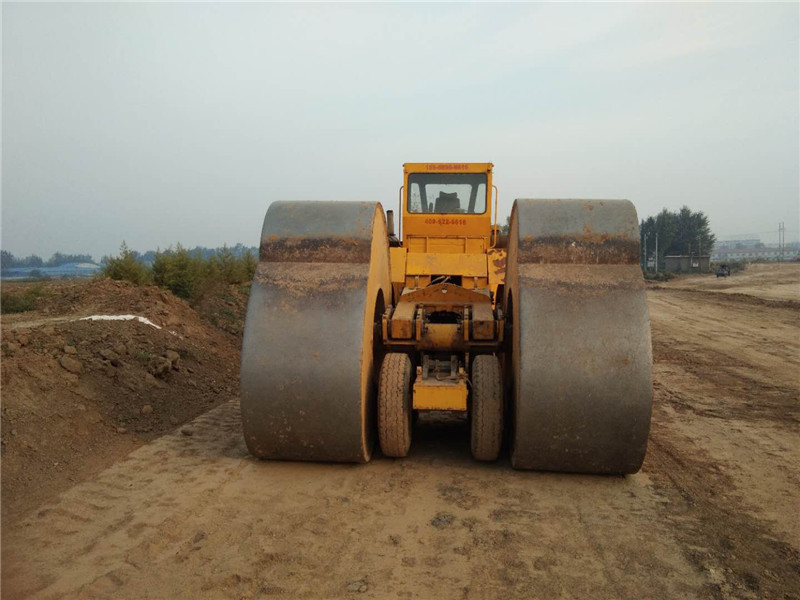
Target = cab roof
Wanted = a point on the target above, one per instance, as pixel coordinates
(447, 167)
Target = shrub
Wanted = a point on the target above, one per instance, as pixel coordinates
(126, 267)
(660, 276)
(21, 302)
(187, 274)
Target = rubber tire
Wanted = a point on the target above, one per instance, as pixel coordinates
(487, 408)
(394, 405)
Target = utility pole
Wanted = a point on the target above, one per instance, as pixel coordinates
(781, 239)
(656, 253)
(700, 253)
(644, 250)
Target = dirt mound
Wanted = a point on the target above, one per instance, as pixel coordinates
(225, 307)
(79, 394)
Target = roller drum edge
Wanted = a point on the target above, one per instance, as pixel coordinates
(307, 370)
(581, 351)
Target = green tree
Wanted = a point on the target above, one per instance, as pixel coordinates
(6, 260)
(682, 232)
(231, 269)
(59, 259)
(250, 263)
(692, 235)
(662, 227)
(29, 261)
(180, 271)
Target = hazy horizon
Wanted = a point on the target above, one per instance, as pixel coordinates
(164, 123)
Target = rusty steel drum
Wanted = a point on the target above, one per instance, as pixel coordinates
(581, 355)
(308, 353)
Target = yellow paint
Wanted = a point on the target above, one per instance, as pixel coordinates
(458, 245)
(401, 327)
(469, 265)
(496, 260)
(378, 284)
(397, 257)
(430, 394)
(446, 245)
(441, 336)
(397, 270)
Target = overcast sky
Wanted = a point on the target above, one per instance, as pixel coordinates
(164, 123)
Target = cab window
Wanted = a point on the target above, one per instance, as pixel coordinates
(447, 193)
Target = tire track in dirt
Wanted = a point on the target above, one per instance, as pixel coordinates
(195, 516)
(723, 448)
(716, 526)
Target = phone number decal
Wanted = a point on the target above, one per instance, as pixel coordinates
(442, 221)
(453, 167)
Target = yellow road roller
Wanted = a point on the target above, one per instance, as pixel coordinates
(539, 335)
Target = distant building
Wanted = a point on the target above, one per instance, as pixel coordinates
(752, 254)
(741, 242)
(686, 263)
(65, 271)
(749, 247)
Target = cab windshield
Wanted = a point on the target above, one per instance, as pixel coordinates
(447, 193)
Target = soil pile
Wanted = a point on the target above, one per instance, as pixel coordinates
(79, 394)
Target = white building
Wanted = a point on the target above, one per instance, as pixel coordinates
(751, 254)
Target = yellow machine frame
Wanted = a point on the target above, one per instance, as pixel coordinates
(352, 328)
(459, 245)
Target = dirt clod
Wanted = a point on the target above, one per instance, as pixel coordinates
(442, 520)
(160, 366)
(174, 358)
(71, 364)
(360, 586)
(108, 354)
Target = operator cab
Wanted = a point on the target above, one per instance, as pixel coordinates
(452, 201)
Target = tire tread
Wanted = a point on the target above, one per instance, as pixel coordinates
(487, 408)
(394, 405)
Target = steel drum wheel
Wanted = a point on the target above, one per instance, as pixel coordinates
(307, 376)
(581, 354)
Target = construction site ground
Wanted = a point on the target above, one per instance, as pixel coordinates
(105, 498)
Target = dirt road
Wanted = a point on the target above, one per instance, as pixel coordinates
(774, 281)
(713, 514)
